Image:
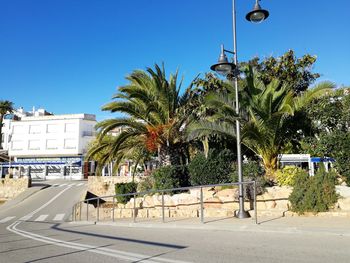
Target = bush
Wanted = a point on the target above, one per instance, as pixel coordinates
(146, 184)
(172, 176)
(252, 171)
(215, 169)
(287, 175)
(313, 193)
(125, 188)
(335, 145)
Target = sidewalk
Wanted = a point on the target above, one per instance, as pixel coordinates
(283, 225)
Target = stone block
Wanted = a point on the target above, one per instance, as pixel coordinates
(184, 199)
(207, 192)
(227, 195)
(344, 204)
(212, 202)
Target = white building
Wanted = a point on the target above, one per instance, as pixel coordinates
(47, 146)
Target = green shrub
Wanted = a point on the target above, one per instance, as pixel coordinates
(287, 175)
(252, 171)
(335, 145)
(313, 193)
(146, 184)
(172, 176)
(125, 188)
(215, 169)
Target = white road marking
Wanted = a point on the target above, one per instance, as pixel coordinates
(41, 218)
(62, 185)
(80, 184)
(4, 220)
(83, 247)
(59, 217)
(27, 217)
(134, 257)
(54, 185)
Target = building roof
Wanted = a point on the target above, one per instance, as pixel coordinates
(83, 116)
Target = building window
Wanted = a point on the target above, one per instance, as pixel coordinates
(69, 127)
(70, 144)
(34, 129)
(34, 145)
(51, 144)
(18, 129)
(52, 128)
(17, 145)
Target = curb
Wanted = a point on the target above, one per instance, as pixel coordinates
(252, 228)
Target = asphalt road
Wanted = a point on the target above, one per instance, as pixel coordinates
(37, 230)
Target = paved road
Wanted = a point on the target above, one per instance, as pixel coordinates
(35, 230)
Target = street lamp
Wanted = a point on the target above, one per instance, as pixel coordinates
(223, 67)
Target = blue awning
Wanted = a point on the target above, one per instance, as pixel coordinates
(322, 159)
(39, 163)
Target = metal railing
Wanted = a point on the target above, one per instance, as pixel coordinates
(97, 200)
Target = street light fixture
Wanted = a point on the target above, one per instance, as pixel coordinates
(223, 67)
(257, 15)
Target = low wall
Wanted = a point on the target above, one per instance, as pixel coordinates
(218, 202)
(10, 188)
(104, 185)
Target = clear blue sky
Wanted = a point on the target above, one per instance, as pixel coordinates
(69, 56)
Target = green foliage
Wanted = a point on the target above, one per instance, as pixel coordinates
(314, 193)
(215, 169)
(171, 176)
(151, 113)
(146, 184)
(125, 188)
(335, 145)
(269, 110)
(252, 171)
(288, 175)
(330, 113)
(296, 72)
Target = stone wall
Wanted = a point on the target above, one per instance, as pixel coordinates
(10, 188)
(218, 202)
(104, 185)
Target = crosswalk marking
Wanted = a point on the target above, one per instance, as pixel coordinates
(41, 218)
(27, 217)
(67, 185)
(4, 220)
(58, 217)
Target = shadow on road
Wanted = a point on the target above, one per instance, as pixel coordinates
(144, 242)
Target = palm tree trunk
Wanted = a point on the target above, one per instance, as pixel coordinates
(270, 165)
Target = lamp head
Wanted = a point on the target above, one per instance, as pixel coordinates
(223, 67)
(257, 15)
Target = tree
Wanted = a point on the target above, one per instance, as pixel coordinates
(331, 124)
(5, 107)
(330, 113)
(268, 109)
(101, 151)
(288, 69)
(154, 116)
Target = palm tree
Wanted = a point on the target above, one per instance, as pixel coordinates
(153, 116)
(5, 107)
(267, 111)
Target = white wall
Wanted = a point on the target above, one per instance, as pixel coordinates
(57, 135)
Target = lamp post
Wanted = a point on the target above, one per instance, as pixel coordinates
(224, 67)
